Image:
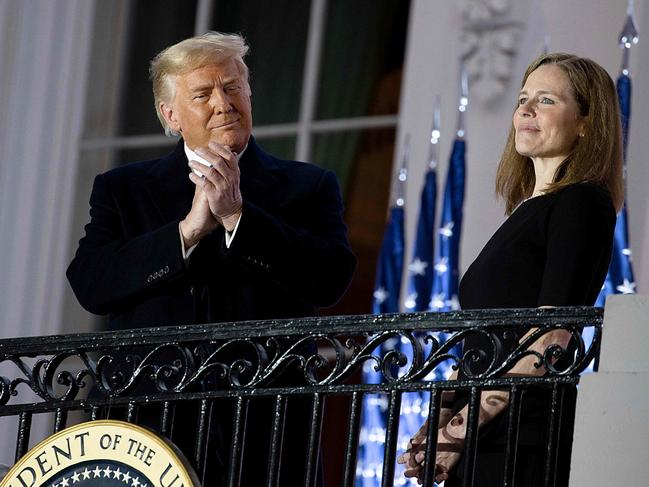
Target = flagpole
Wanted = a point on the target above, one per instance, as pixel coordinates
(435, 134)
(463, 102)
(628, 37)
(444, 294)
(389, 270)
(420, 268)
(386, 299)
(402, 175)
(620, 279)
(546, 44)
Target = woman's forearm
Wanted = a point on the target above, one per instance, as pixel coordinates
(493, 402)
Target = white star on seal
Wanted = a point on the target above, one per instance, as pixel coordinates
(64, 482)
(418, 267)
(76, 477)
(117, 474)
(135, 482)
(381, 295)
(447, 230)
(126, 477)
(86, 474)
(627, 287)
(97, 472)
(107, 471)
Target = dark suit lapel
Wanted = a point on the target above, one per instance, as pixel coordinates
(259, 183)
(169, 186)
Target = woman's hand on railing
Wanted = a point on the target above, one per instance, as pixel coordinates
(449, 451)
(416, 445)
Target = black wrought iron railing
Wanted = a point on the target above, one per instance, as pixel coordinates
(153, 375)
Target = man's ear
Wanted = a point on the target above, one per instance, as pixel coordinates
(170, 116)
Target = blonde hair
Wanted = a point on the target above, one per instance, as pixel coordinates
(188, 55)
(596, 157)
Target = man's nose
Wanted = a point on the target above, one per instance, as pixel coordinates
(220, 102)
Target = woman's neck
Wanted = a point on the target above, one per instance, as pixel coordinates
(544, 172)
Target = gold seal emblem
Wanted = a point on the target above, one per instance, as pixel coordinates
(102, 453)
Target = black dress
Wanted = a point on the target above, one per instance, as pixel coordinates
(553, 250)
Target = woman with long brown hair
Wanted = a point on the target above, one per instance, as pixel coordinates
(560, 176)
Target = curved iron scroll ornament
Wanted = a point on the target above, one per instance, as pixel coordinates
(326, 358)
(41, 377)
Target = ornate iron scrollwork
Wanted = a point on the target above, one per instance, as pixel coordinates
(402, 349)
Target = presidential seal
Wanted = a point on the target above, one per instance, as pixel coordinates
(103, 453)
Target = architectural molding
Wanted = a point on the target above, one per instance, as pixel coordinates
(489, 40)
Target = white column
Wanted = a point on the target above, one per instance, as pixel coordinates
(44, 50)
(310, 81)
(611, 427)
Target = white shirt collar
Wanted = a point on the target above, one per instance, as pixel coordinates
(192, 156)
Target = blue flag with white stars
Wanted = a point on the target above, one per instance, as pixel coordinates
(619, 279)
(444, 295)
(420, 269)
(387, 292)
(414, 405)
(390, 267)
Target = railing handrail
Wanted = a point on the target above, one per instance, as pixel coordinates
(428, 321)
